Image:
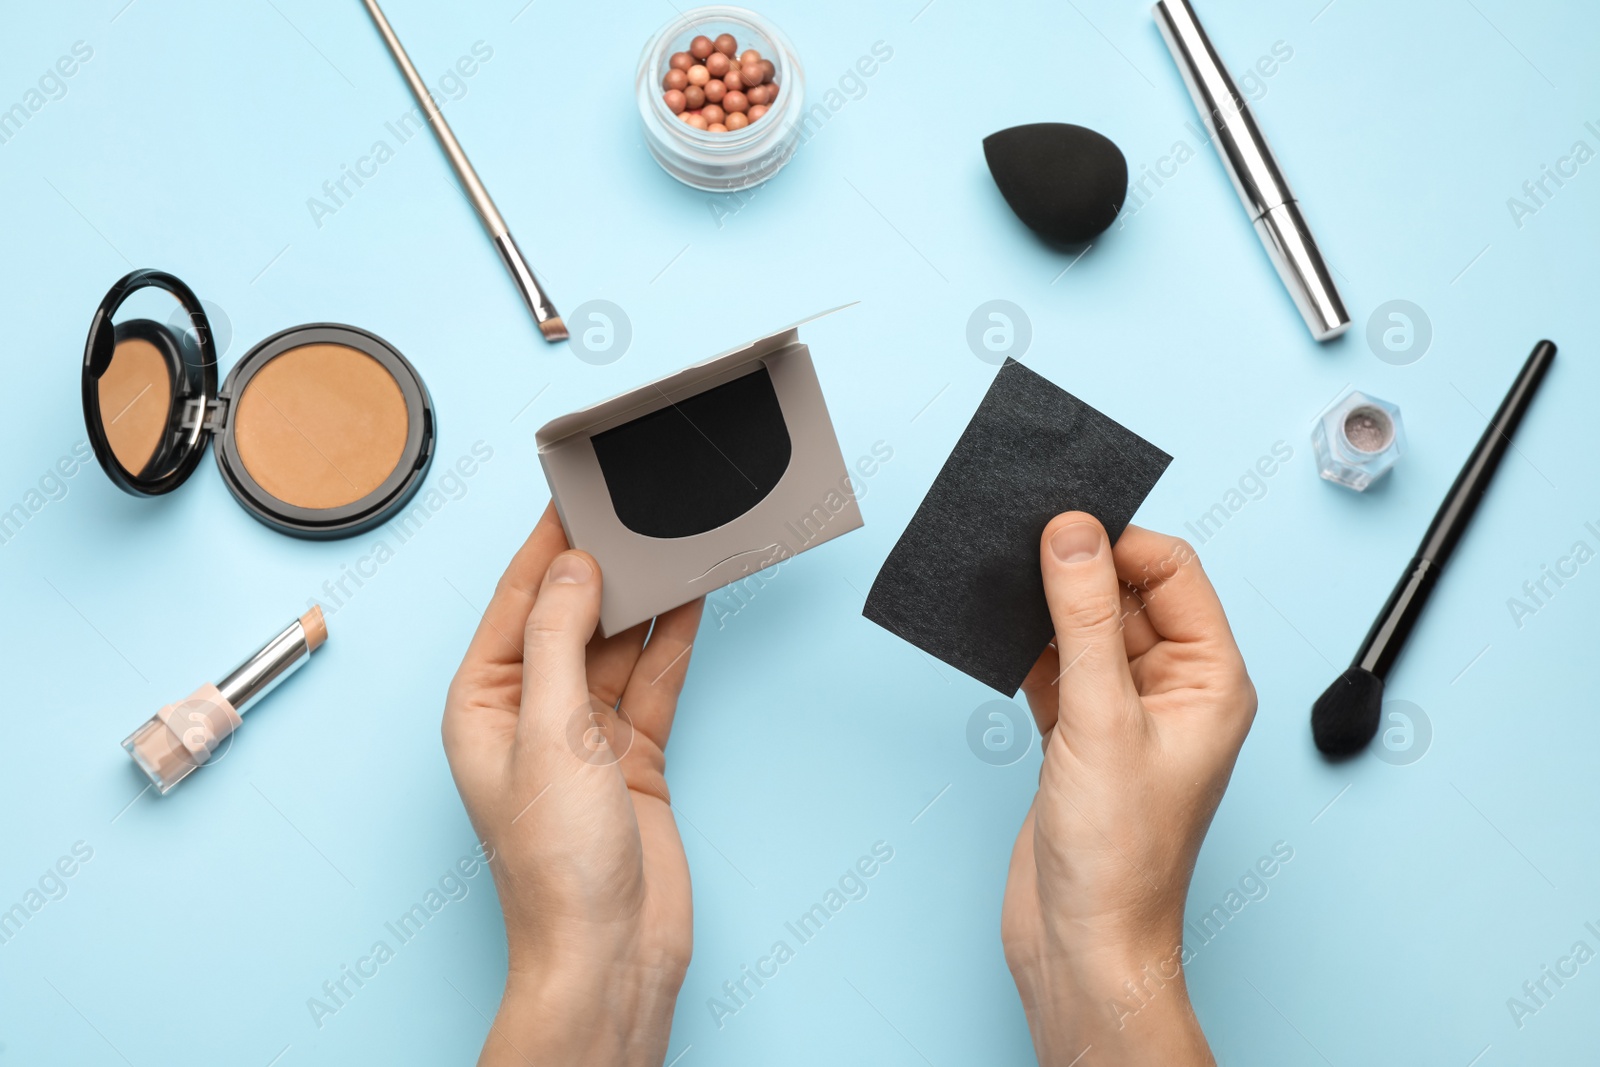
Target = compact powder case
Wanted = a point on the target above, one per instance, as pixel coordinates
(321, 431)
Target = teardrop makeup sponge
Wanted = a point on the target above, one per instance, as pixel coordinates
(1066, 182)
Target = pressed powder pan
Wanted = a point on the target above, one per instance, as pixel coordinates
(321, 431)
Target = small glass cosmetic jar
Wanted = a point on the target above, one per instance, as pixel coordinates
(1358, 439)
(738, 159)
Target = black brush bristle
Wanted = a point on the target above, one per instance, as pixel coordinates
(1345, 717)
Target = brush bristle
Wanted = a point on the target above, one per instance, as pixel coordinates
(1345, 717)
(553, 329)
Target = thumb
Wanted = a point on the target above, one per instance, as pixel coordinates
(555, 684)
(1085, 598)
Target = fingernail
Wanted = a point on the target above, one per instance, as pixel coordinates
(570, 569)
(1076, 542)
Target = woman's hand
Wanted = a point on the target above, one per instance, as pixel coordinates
(1143, 703)
(556, 744)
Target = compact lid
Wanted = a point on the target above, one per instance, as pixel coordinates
(145, 391)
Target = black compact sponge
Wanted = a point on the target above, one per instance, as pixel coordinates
(1066, 182)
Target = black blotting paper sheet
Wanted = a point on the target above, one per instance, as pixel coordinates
(963, 581)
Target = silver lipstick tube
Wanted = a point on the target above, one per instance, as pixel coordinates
(1256, 176)
(179, 738)
(262, 672)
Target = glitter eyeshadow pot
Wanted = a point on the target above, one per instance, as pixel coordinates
(320, 431)
(1357, 440)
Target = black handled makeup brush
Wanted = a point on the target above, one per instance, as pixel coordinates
(1346, 716)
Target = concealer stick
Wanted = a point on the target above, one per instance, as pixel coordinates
(176, 740)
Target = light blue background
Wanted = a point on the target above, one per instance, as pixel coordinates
(1419, 897)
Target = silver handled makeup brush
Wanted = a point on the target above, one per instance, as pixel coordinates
(544, 313)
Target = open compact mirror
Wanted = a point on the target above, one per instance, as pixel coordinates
(320, 431)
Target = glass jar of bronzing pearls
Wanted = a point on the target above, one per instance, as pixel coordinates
(721, 95)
